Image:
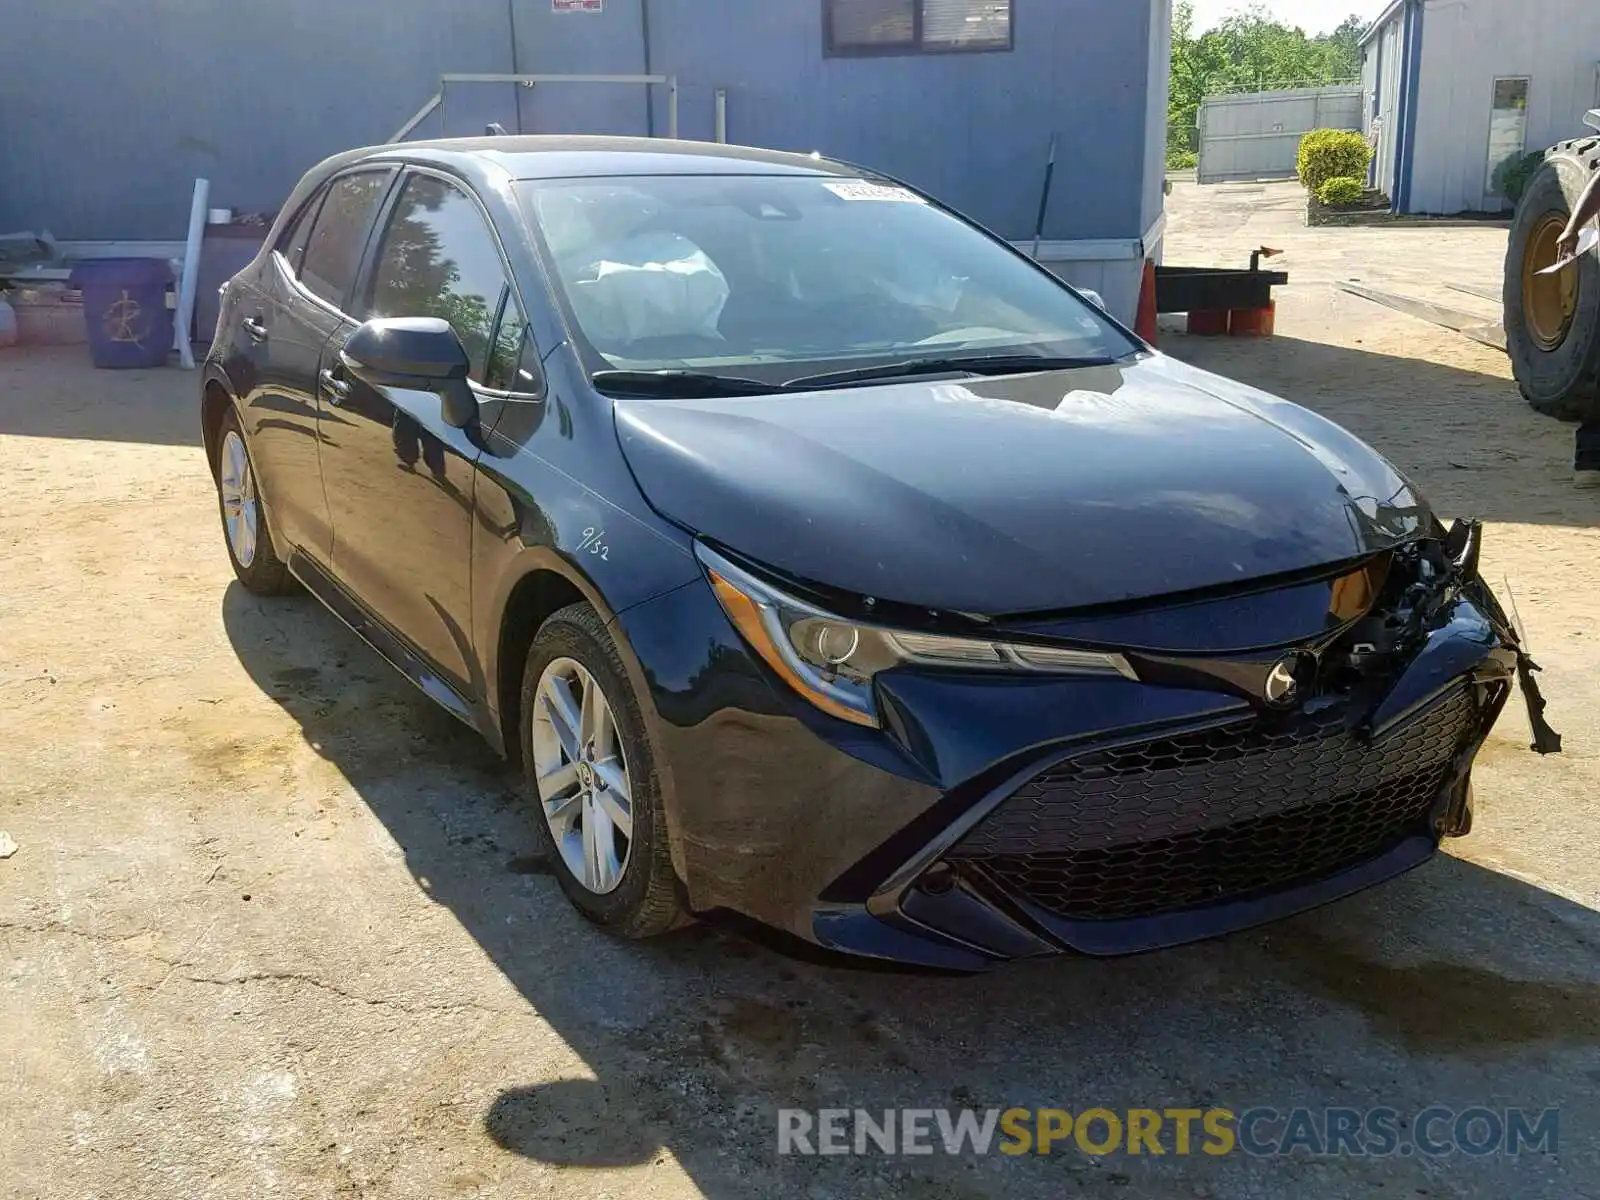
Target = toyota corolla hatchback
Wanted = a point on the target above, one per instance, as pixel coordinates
(819, 558)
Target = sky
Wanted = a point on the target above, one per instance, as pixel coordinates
(1314, 16)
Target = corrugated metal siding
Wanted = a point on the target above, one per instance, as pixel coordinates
(1390, 47)
(1155, 132)
(1257, 135)
(110, 112)
(106, 121)
(973, 129)
(1369, 95)
(610, 42)
(1467, 44)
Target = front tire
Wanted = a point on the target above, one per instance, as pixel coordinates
(591, 778)
(1552, 323)
(244, 520)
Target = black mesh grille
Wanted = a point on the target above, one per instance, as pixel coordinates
(1223, 813)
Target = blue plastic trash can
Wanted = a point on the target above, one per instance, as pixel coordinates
(125, 310)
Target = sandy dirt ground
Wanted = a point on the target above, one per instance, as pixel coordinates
(274, 927)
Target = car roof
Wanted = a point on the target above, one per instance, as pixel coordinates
(489, 161)
(555, 157)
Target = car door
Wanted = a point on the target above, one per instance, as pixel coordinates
(399, 480)
(285, 322)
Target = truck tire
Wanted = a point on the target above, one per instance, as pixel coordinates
(1552, 323)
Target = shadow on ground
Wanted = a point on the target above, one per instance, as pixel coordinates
(1446, 427)
(56, 392)
(1451, 986)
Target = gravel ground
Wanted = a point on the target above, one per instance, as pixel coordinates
(274, 927)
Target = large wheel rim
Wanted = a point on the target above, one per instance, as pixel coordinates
(240, 513)
(1549, 302)
(582, 775)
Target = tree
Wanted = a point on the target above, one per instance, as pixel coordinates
(1250, 51)
(1344, 44)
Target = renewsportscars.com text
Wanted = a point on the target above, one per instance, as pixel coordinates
(1433, 1132)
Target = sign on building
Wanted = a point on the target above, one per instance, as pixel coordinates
(571, 6)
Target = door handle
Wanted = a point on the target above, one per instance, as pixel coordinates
(256, 330)
(338, 389)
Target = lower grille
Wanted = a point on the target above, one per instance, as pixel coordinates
(1218, 814)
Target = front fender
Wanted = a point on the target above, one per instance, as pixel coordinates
(534, 519)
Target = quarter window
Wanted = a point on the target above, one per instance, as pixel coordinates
(334, 250)
(438, 259)
(514, 361)
(293, 243)
(868, 27)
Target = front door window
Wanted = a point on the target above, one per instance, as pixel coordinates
(438, 259)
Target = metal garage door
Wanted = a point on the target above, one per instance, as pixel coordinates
(1257, 135)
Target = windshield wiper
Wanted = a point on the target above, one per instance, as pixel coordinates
(689, 385)
(686, 385)
(979, 364)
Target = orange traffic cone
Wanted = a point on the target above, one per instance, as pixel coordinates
(1145, 325)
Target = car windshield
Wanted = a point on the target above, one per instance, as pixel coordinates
(772, 279)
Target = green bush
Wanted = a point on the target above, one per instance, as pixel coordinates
(1182, 160)
(1511, 176)
(1342, 190)
(1333, 154)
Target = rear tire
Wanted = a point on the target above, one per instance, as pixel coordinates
(634, 893)
(245, 530)
(1552, 325)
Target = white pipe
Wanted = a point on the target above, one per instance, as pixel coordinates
(722, 115)
(190, 280)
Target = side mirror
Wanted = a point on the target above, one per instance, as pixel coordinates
(422, 353)
(1093, 297)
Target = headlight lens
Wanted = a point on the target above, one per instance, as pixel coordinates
(831, 661)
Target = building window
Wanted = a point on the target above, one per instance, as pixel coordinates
(1508, 135)
(873, 27)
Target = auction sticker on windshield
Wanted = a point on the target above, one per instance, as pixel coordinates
(861, 190)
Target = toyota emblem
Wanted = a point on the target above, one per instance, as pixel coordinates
(1283, 682)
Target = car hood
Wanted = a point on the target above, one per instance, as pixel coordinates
(1028, 493)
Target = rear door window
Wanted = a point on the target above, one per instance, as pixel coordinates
(333, 252)
(438, 258)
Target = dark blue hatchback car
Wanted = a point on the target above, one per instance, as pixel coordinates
(821, 559)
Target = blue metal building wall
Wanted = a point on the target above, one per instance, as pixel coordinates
(973, 129)
(108, 112)
(105, 119)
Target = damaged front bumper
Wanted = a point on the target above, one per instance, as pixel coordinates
(996, 817)
(1175, 835)
(1447, 623)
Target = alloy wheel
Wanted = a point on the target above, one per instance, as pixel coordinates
(582, 773)
(239, 511)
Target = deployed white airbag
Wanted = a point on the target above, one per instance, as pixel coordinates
(653, 285)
